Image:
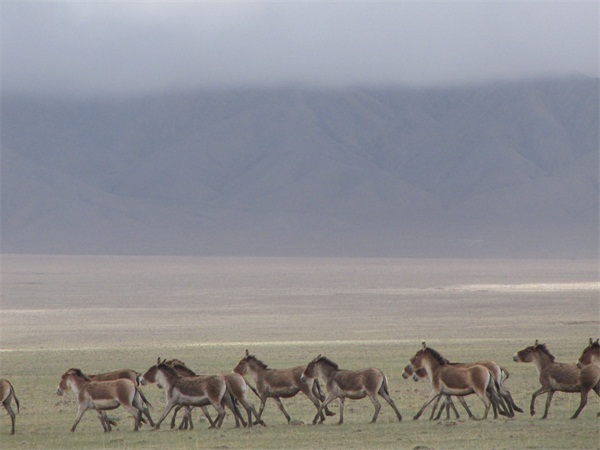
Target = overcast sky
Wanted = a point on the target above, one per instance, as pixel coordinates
(92, 48)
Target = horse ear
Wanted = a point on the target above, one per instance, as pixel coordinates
(247, 352)
(424, 345)
(158, 361)
(591, 341)
(536, 343)
(598, 341)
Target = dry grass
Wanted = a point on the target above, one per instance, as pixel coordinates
(103, 313)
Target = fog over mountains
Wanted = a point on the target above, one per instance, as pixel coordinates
(498, 170)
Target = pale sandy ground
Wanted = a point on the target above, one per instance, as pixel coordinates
(89, 301)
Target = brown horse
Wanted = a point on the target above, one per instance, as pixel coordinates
(103, 396)
(189, 391)
(589, 377)
(554, 376)
(237, 386)
(421, 374)
(278, 384)
(7, 394)
(447, 379)
(350, 384)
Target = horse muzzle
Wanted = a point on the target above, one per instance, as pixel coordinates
(516, 358)
(579, 365)
(303, 378)
(59, 392)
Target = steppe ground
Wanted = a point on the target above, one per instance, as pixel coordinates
(104, 313)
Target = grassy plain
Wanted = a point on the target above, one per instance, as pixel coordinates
(104, 313)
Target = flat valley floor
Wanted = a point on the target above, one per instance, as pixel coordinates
(101, 313)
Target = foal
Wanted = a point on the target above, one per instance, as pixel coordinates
(7, 393)
(589, 378)
(103, 396)
(189, 391)
(448, 379)
(553, 376)
(283, 383)
(350, 384)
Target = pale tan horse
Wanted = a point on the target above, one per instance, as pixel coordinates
(279, 383)
(448, 404)
(589, 377)
(351, 384)
(7, 394)
(189, 391)
(102, 396)
(237, 386)
(448, 379)
(553, 376)
(121, 374)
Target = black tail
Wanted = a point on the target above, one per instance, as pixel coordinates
(143, 397)
(15, 397)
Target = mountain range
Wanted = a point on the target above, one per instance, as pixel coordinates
(506, 169)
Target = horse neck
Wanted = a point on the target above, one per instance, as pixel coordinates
(541, 361)
(431, 365)
(326, 371)
(75, 384)
(165, 379)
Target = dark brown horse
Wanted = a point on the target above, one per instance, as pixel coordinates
(103, 396)
(189, 391)
(350, 384)
(448, 379)
(278, 384)
(237, 386)
(7, 394)
(554, 376)
(589, 377)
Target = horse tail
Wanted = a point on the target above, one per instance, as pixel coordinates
(252, 388)
(504, 373)
(143, 397)
(384, 385)
(12, 391)
(318, 391)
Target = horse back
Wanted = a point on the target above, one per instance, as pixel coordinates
(560, 376)
(369, 380)
(128, 374)
(211, 387)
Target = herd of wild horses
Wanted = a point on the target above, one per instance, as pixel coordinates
(185, 390)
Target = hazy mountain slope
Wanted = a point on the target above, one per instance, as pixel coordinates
(500, 170)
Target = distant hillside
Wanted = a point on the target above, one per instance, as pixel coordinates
(501, 170)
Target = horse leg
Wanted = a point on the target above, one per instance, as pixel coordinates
(220, 414)
(315, 400)
(80, 412)
(282, 409)
(434, 408)
(383, 391)
(168, 407)
(342, 402)
(377, 406)
(548, 401)
(249, 410)
(263, 402)
(330, 397)
(230, 403)
(103, 420)
(463, 402)
(430, 399)
(11, 413)
(319, 394)
(451, 405)
(584, 396)
(540, 391)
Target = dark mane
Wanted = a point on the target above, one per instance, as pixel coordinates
(544, 349)
(169, 370)
(439, 358)
(79, 373)
(261, 364)
(327, 361)
(179, 367)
